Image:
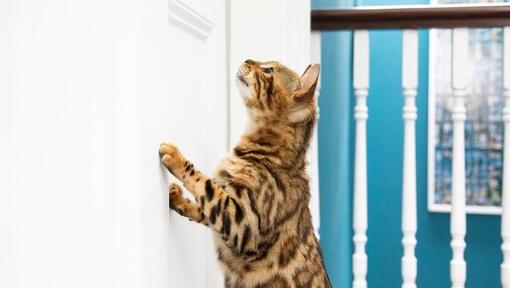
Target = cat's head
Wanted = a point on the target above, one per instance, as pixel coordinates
(272, 91)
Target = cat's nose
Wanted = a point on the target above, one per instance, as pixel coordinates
(249, 61)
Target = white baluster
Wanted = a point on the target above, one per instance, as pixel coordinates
(409, 84)
(361, 84)
(505, 219)
(458, 215)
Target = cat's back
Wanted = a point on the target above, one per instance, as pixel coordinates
(283, 251)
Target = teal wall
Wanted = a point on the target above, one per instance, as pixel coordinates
(385, 136)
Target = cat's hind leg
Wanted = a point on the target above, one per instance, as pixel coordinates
(184, 206)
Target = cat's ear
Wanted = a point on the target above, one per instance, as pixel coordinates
(308, 84)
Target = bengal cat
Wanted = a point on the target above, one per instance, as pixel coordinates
(257, 202)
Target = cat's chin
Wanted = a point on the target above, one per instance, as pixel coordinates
(243, 87)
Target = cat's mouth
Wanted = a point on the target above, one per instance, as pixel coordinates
(241, 79)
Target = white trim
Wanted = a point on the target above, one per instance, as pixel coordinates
(228, 71)
(431, 205)
(470, 209)
(185, 17)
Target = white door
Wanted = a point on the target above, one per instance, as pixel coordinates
(182, 99)
(88, 91)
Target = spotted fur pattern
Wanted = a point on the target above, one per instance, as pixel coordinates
(257, 201)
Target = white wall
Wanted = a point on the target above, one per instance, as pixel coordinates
(282, 33)
(88, 90)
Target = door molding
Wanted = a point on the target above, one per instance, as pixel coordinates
(187, 18)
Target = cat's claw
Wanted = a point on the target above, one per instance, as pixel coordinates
(167, 148)
(175, 196)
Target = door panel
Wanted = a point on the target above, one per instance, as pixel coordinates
(61, 175)
(182, 99)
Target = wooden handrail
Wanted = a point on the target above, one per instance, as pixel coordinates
(412, 17)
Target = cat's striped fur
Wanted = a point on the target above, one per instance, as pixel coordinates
(257, 202)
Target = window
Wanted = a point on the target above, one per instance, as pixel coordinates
(483, 126)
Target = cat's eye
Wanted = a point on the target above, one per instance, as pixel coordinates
(268, 70)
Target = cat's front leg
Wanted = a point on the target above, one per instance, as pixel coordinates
(224, 212)
(182, 169)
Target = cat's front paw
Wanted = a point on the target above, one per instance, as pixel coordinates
(175, 196)
(171, 156)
